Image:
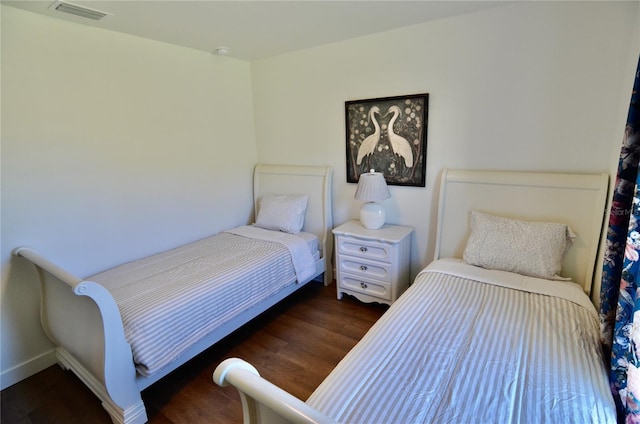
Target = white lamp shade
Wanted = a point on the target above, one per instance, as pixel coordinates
(372, 188)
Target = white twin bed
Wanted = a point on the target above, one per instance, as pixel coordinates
(495, 338)
(125, 328)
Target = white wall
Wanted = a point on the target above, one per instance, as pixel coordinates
(527, 86)
(113, 147)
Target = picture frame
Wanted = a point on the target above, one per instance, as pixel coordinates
(389, 135)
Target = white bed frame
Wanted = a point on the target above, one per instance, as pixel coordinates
(578, 200)
(82, 319)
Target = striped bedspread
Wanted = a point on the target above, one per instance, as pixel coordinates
(454, 349)
(171, 300)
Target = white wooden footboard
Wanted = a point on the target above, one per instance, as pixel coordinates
(262, 401)
(82, 319)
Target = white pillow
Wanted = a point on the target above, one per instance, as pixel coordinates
(282, 213)
(536, 249)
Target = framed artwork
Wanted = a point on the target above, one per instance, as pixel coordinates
(389, 135)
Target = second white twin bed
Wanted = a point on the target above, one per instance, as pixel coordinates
(488, 332)
(125, 328)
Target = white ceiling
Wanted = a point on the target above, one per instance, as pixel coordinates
(257, 29)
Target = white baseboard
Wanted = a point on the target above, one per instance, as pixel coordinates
(27, 369)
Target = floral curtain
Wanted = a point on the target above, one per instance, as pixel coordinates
(620, 293)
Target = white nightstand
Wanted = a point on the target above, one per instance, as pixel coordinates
(372, 265)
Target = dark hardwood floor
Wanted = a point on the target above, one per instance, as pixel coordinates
(294, 345)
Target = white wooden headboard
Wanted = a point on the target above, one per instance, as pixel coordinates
(578, 200)
(314, 181)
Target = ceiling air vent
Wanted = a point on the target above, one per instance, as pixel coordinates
(74, 9)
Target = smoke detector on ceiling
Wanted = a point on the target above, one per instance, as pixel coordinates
(75, 9)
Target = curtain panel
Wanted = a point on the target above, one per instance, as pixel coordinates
(619, 296)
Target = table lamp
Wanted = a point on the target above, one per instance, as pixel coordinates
(372, 188)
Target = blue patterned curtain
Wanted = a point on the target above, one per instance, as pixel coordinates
(620, 293)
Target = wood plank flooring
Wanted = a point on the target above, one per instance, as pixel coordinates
(294, 345)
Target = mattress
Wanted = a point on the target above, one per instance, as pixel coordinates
(171, 300)
(458, 348)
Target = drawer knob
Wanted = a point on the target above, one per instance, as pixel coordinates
(363, 249)
(363, 285)
(363, 268)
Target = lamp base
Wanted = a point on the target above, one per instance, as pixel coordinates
(372, 215)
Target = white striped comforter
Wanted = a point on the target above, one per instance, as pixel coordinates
(455, 350)
(171, 300)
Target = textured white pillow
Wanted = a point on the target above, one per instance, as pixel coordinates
(536, 249)
(282, 213)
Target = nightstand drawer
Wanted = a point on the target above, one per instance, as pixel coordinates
(364, 249)
(361, 267)
(366, 286)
